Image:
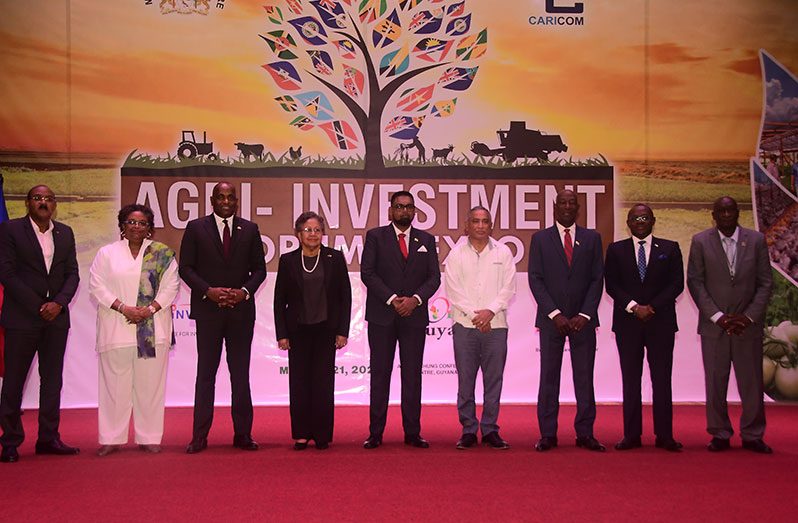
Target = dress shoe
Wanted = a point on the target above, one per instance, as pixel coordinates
(245, 443)
(104, 450)
(718, 445)
(322, 445)
(56, 447)
(372, 442)
(9, 455)
(300, 445)
(757, 445)
(152, 449)
(629, 444)
(546, 443)
(671, 445)
(466, 441)
(494, 441)
(589, 443)
(416, 441)
(197, 445)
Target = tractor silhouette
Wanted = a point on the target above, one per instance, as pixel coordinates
(190, 148)
(518, 141)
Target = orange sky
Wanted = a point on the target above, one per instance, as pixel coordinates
(137, 77)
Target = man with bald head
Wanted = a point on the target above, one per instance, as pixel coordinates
(644, 276)
(566, 275)
(222, 261)
(730, 279)
(39, 271)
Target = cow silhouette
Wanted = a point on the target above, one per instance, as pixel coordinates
(250, 149)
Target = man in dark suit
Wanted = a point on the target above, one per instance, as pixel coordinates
(644, 276)
(730, 279)
(39, 270)
(566, 277)
(222, 261)
(401, 271)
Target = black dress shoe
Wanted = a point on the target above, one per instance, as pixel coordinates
(245, 443)
(671, 445)
(589, 443)
(322, 445)
(56, 447)
(629, 444)
(416, 441)
(466, 441)
(546, 443)
(372, 442)
(300, 445)
(494, 441)
(718, 445)
(757, 445)
(197, 445)
(9, 455)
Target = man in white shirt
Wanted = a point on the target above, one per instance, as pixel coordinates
(480, 281)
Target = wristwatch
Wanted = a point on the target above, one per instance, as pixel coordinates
(246, 293)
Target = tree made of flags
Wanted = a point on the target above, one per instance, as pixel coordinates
(364, 52)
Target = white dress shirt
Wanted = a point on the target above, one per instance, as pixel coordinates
(220, 225)
(647, 249)
(46, 242)
(572, 231)
(480, 280)
(115, 275)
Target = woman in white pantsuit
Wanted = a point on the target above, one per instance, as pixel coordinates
(134, 282)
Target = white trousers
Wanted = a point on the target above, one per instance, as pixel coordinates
(129, 383)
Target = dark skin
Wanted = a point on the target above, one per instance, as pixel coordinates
(41, 205)
(401, 213)
(225, 204)
(135, 233)
(566, 209)
(727, 215)
(640, 221)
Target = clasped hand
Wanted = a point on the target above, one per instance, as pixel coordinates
(225, 296)
(50, 310)
(404, 305)
(734, 324)
(566, 326)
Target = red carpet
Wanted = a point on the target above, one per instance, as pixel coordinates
(399, 483)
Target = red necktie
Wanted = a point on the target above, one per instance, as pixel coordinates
(403, 245)
(569, 247)
(226, 239)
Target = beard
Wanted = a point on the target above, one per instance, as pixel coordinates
(404, 221)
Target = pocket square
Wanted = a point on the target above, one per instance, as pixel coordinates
(422, 249)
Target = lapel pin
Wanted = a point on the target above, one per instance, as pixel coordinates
(656, 245)
(576, 242)
(329, 255)
(238, 228)
(415, 239)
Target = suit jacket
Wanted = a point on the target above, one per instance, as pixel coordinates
(664, 282)
(714, 290)
(288, 292)
(555, 285)
(203, 265)
(24, 275)
(385, 272)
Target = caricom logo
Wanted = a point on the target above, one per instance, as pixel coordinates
(439, 308)
(186, 7)
(560, 12)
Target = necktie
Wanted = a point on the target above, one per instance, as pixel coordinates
(641, 260)
(569, 246)
(403, 245)
(226, 239)
(730, 246)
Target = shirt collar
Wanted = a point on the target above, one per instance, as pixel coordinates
(398, 231)
(219, 219)
(489, 246)
(647, 239)
(36, 227)
(561, 228)
(735, 236)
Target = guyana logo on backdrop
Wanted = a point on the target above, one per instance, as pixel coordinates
(186, 7)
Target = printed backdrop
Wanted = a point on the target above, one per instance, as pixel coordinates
(332, 105)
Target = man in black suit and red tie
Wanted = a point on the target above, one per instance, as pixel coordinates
(401, 272)
(39, 271)
(222, 261)
(566, 276)
(644, 276)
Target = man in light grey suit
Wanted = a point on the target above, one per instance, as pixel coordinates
(730, 280)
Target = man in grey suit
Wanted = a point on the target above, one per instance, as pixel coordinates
(730, 280)
(566, 275)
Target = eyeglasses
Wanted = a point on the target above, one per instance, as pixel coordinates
(40, 198)
(641, 219)
(227, 197)
(403, 207)
(309, 230)
(134, 223)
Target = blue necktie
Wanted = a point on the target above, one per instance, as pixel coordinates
(641, 260)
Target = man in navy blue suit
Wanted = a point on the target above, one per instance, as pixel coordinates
(644, 276)
(566, 277)
(401, 272)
